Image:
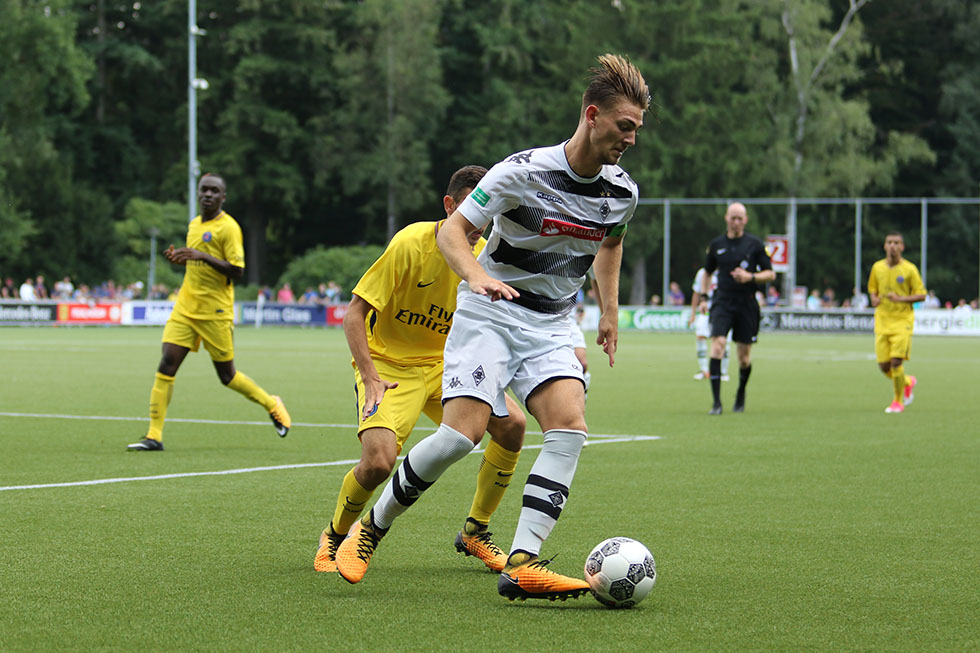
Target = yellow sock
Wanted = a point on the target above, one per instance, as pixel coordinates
(350, 504)
(242, 384)
(160, 394)
(496, 470)
(898, 382)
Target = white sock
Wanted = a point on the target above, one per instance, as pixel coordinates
(724, 359)
(702, 349)
(546, 490)
(422, 466)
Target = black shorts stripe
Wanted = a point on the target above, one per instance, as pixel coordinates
(541, 505)
(561, 181)
(553, 263)
(543, 304)
(547, 484)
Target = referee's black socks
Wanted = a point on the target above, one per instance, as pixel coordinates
(714, 371)
(743, 379)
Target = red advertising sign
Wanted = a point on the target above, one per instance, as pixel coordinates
(90, 313)
(335, 314)
(777, 246)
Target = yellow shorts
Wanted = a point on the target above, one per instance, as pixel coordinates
(893, 345)
(419, 391)
(217, 335)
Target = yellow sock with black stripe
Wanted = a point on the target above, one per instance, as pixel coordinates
(898, 382)
(160, 394)
(496, 470)
(242, 384)
(350, 504)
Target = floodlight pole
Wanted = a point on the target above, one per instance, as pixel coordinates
(193, 83)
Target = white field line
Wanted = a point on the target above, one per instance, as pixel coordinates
(111, 418)
(248, 470)
(594, 439)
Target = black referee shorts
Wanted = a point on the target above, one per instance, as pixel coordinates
(740, 317)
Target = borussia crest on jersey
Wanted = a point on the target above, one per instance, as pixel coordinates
(548, 222)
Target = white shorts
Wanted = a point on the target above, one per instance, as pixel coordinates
(702, 325)
(488, 350)
(578, 338)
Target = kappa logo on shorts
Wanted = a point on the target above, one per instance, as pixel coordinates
(479, 375)
(455, 383)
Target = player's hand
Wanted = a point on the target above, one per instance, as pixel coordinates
(608, 336)
(373, 394)
(894, 296)
(181, 255)
(492, 288)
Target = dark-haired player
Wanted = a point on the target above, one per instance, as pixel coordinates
(205, 312)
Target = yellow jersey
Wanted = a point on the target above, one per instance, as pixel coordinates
(206, 294)
(413, 292)
(902, 279)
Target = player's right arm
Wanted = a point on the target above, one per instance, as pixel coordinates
(453, 243)
(873, 288)
(356, 333)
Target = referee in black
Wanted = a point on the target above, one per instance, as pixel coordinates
(742, 262)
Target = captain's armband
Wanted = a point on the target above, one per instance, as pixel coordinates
(618, 231)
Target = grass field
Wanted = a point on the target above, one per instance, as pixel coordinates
(812, 521)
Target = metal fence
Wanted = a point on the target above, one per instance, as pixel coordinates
(791, 205)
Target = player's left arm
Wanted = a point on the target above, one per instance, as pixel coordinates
(763, 272)
(181, 255)
(606, 267)
(917, 290)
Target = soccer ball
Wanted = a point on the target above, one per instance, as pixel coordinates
(621, 572)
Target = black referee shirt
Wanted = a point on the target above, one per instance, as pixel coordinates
(725, 254)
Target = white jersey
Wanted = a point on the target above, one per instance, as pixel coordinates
(712, 284)
(548, 223)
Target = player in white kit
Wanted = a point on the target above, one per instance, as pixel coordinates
(556, 212)
(700, 303)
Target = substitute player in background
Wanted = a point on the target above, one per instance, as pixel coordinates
(555, 211)
(700, 305)
(205, 312)
(741, 262)
(396, 326)
(894, 285)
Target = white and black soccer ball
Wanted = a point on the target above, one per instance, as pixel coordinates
(621, 572)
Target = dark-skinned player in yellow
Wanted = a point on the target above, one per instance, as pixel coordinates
(204, 312)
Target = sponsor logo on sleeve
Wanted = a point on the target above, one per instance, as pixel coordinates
(480, 197)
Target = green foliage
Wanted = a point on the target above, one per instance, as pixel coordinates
(144, 217)
(345, 265)
(336, 122)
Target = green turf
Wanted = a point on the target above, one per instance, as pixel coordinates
(812, 521)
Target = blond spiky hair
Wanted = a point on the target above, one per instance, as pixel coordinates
(613, 79)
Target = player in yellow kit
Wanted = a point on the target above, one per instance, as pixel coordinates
(205, 310)
(396, 327)
(894, 285)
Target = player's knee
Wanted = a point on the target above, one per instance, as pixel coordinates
(374, 471)
(509, 433)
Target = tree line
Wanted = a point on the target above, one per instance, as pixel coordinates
(336, 122)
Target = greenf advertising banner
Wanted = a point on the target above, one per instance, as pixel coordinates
(653, 319)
